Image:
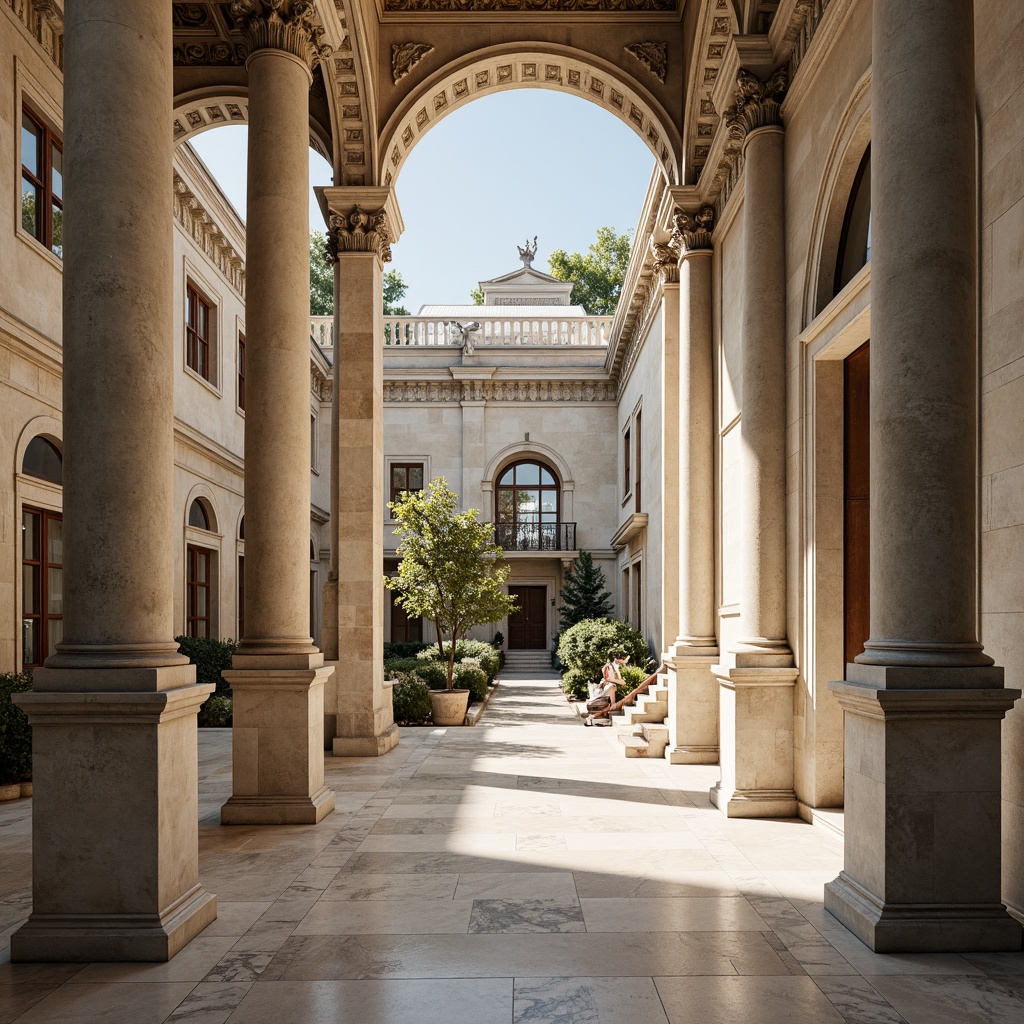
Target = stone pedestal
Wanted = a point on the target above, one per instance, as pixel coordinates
(756, 713)
(115, 856)
(921, 867)
(277, 766)
(363, 223)
(692, 706)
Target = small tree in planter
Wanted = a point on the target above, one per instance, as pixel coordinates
(450, 571)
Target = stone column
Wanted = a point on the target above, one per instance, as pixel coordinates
(693, 689)
(923, 702)
(277, 674)
(115, 862)
(363, 224)
(756, 685)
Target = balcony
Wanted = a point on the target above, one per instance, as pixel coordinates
(535, 536)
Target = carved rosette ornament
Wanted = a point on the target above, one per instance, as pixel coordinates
(757, 104)
(665, 259)
(289, 25)
(653, 56)
(358, 231)
(694, 229)
(405, 56)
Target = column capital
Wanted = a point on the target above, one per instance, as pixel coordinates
(665, 259)
(756, 104)
(694, 229)
(360, 220)
(289, 25)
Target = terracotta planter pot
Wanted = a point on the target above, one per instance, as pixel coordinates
(14, 791)
(448, 707)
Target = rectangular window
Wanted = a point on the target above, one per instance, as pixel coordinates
(312, 441)
(198, 336)
(42, 585)
(405, 476)
(198, 591)
(636, 484)
(627, 454)
(638, 597)
(241, 596)
(241, 371)
(403, 628)
(42, 183)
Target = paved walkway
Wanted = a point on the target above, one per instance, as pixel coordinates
(519, 871)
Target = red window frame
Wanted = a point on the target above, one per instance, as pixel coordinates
(627, 455)
(46, 199)
(197, 331)
(241, 371)
(195, 623)
(39, 568)
(396, 490)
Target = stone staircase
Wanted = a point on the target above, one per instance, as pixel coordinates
(641, 729)
(527, 662)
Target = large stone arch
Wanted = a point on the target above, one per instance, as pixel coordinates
(529, 65)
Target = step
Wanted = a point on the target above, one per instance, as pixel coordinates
(655, 711)
(657, 739)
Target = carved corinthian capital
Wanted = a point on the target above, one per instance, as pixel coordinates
(665, 259)
(694, 229)
(757, 104)
(289, 25)
(358, 231)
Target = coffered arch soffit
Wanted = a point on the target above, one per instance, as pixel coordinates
(529, 65)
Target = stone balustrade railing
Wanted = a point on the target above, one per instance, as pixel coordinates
(425, 332)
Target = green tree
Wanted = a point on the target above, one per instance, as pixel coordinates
(451, 570)
(321, 282)
(598, 274)
(477, 295)
(583, 594)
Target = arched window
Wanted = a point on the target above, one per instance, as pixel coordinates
(528, 507)
(241, 528)
(855, 241)
(198, 516)
(43, 460)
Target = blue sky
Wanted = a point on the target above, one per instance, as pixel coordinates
(501, 169)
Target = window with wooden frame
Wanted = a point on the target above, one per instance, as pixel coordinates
(627, 456)
(241, 371)
(198, 332)
(42, 182)
(403, 628)
(42, 585)
(241, 596)
(636, 482)
(405, 476)
(198, 590)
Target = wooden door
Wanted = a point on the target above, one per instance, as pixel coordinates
(527, 627)
(856, 505)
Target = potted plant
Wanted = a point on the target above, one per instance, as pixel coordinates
(451, 573)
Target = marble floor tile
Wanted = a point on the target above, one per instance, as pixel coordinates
(541, 841)
(209, 1003)
(696, 914)
(387, 917)
(235, 918)
(970, 999)
(587, 1001)
(542, 885)
(370, 886)
(465, 843)
(492, 916)
(858, 1001)
(456, 1001)
(745, 1000)
(191, 964)
(596, 884)
(240, 966)
(16, 999)
(108, 1004)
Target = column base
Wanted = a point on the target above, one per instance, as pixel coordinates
(691, 754)
(277, 746)
(366, 746)
(754, 803)
(85, 938)
(279, 810)
(921, 927)
(692, 704)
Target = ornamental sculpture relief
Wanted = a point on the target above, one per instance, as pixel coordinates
(665, 259)
(499, 391)
(694, 229)
(358, 231)
(405, 56)
(289, 25)
(757, 104)
(653, 56)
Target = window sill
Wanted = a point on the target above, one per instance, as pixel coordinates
(209, 385)
(38, 248)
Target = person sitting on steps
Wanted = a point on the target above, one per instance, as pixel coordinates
(602, 694)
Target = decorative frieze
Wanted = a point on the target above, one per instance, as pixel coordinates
(289, 25)
(44, 20)
(405, 56)
(409, 391)
(473, 6)
(358, 231)
(653, 56)
(190, 213)
(757, 104)
(694, 229)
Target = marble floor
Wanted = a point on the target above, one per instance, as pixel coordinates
(519, 871)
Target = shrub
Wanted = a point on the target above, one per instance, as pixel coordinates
(499, 640)
(576, 684)
(215, 712)
(488, 657)
(400, 665)
(403, 649)
(633, 676)
(410, 697)
(587, 645)
(433, 673)
(210, 657)
(15, 732)
(470, 676)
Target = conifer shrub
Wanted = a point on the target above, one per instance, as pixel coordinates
(15, 732)
(584, 594)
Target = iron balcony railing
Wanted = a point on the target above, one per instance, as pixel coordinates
(536, 536)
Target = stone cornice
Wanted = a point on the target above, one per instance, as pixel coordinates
(194, 219)
(289, 25)
(503, 390)
(44, 20)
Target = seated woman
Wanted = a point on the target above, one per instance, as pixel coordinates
(602, 694)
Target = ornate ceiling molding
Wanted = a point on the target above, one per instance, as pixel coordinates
(653, 56)
(192, 118)
(405, 56)
(503, 68)
(193, 217)
(531, 6)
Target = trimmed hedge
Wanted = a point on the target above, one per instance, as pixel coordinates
(210, 658)
(410, 698)
(15, 732)
(489, 658)
(432, 673)
(403, 649)
(470, 676)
